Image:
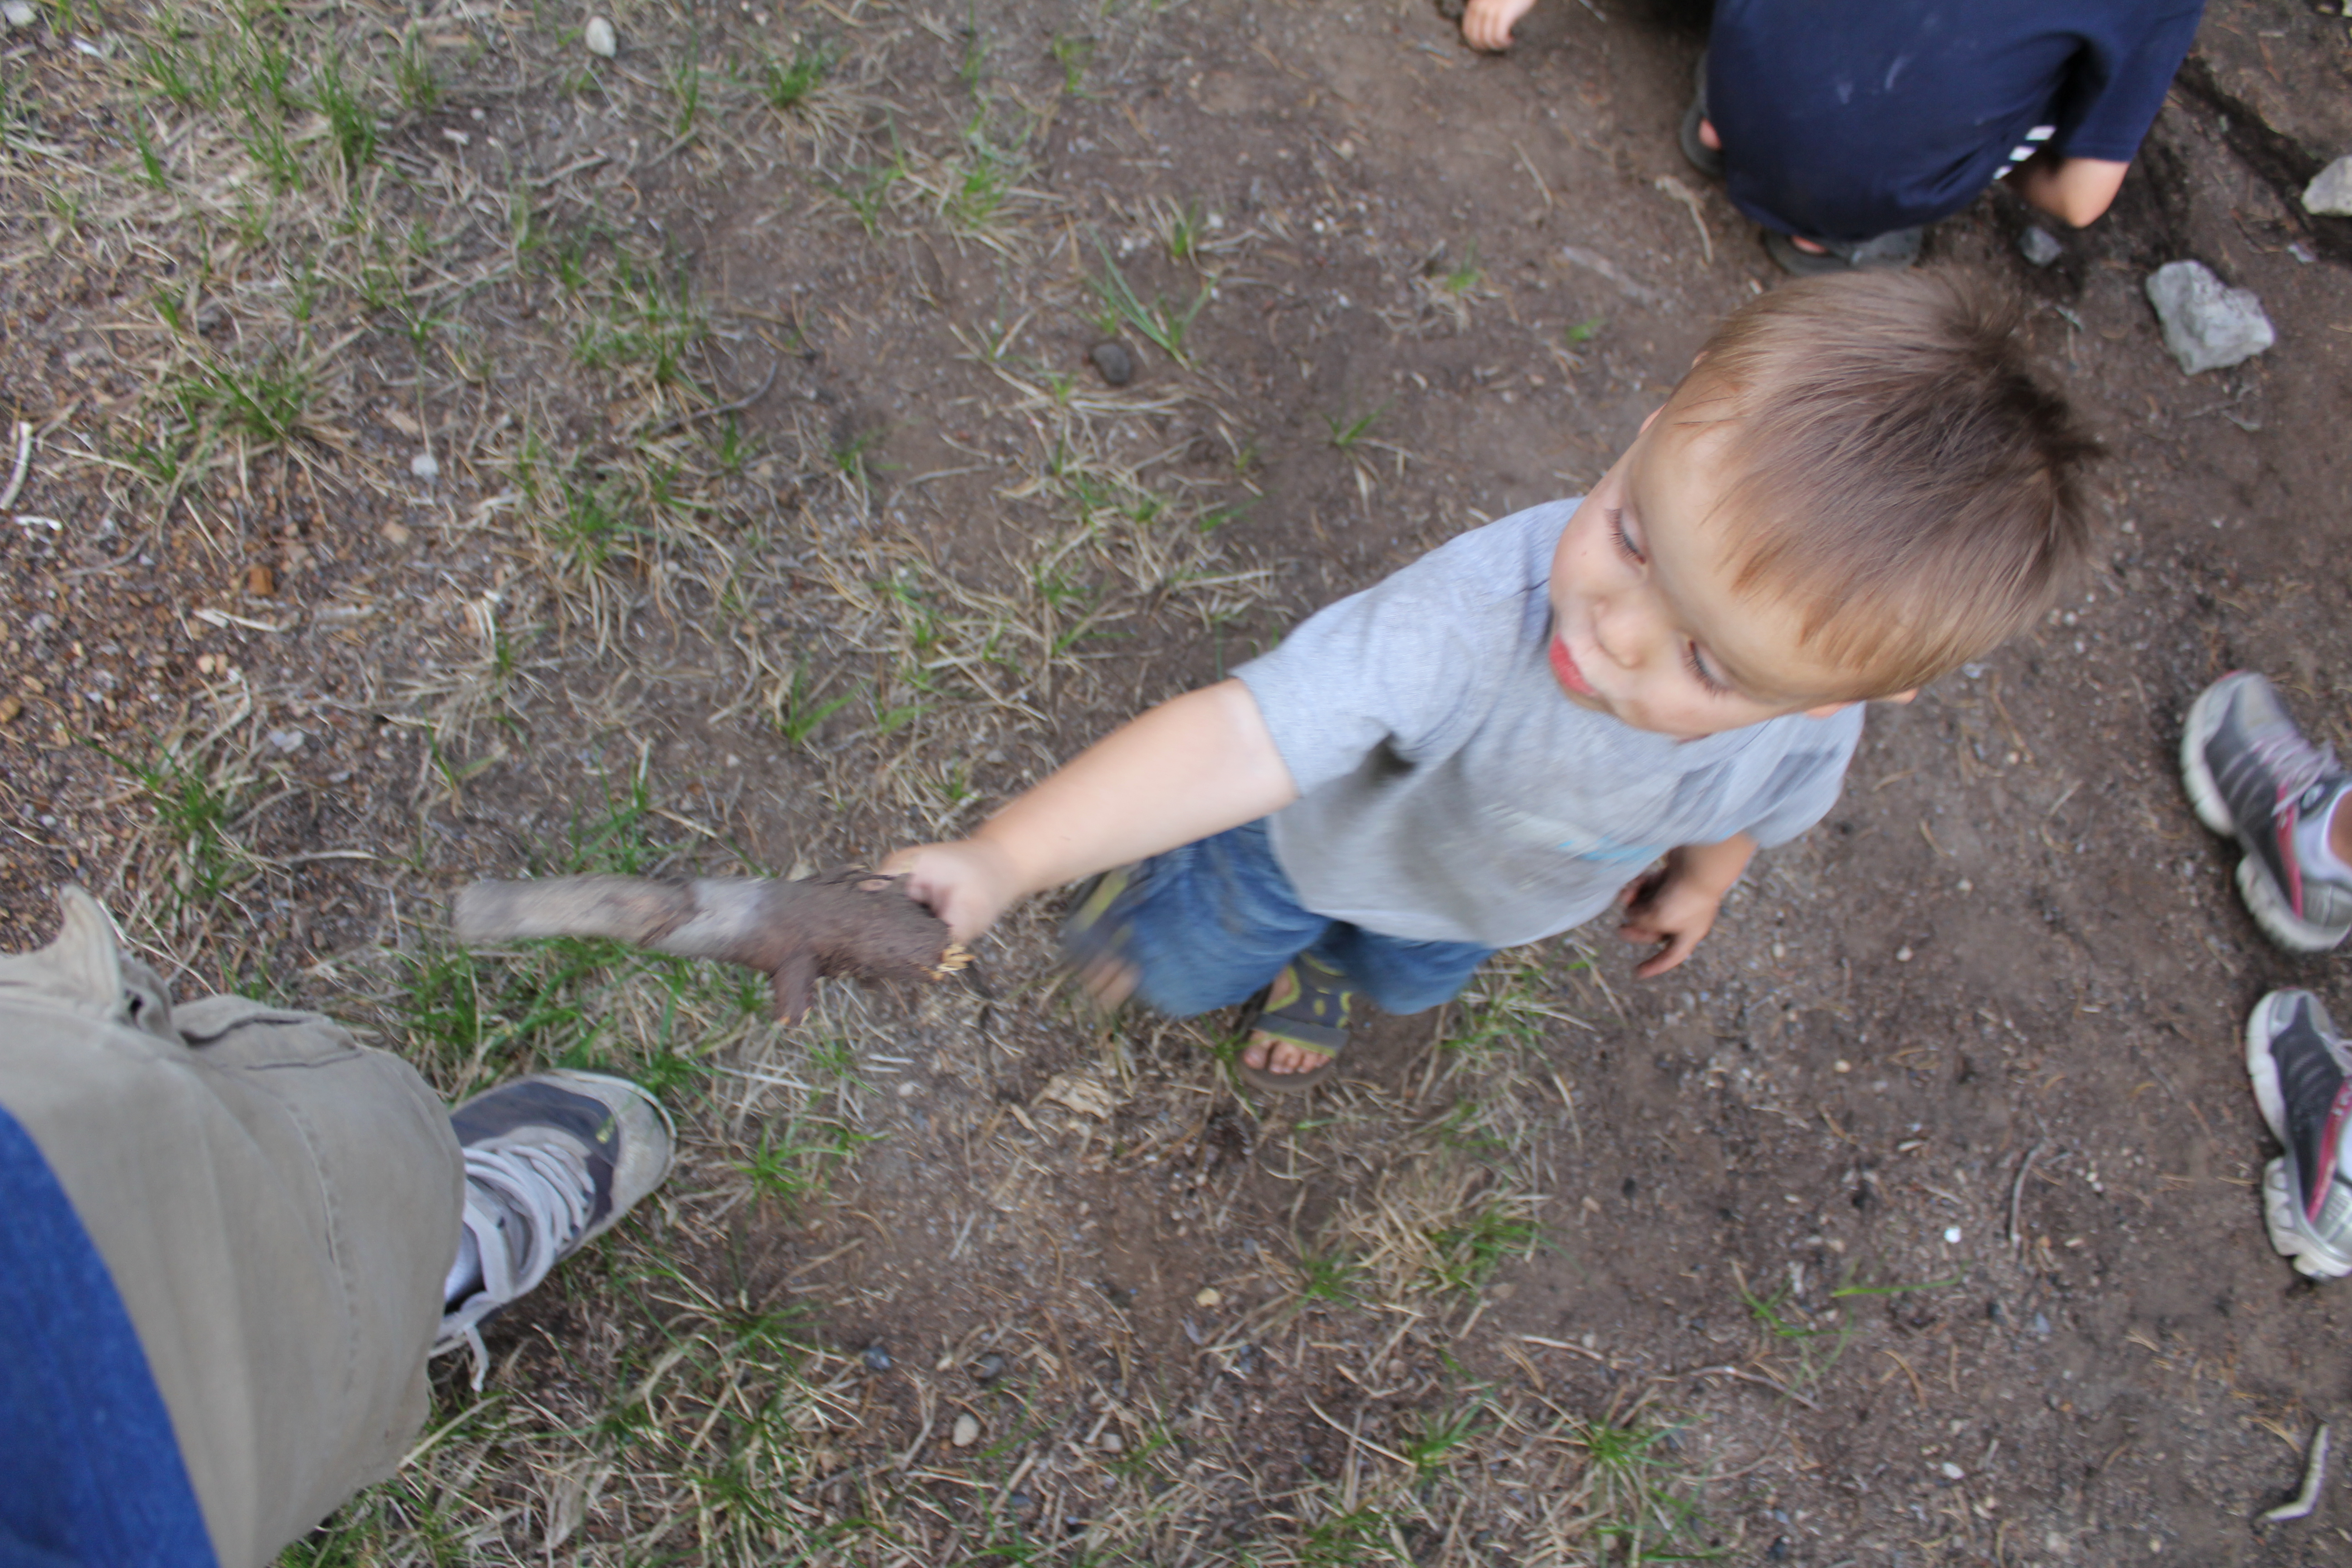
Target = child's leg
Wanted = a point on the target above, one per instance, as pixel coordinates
(1201, 927)
(1397, 975)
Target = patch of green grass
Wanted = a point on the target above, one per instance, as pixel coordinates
(1583, 331)
(1346, 433)
(794, 1167)
(799, 714)
(351, 121)
(1439, 1441)
(1639, 1497)
(870, 192)
(414, 82)
(269, 399)
(1160, 322)
(1463, 275)
(685, 94)
(1330, 1276)
(1469, 1251)
(786, 83)
(1074, 52)
(1345, 1539)
(195, 807)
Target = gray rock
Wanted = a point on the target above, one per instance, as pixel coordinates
(2330, 192)
(876, 1358)
(425, 467)
(1117, 365)
(599, 37)
(18, 14)
(967, 1430)
(2208, 325)
(2040, 247)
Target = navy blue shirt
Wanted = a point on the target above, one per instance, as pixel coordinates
(89, 1473)
(1845, 119)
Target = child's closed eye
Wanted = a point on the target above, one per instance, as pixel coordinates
(1696, 665)
(1625, 544)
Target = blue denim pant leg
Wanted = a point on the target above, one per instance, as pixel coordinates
(1211, 924)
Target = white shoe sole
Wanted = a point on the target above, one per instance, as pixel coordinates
(2291, 1234)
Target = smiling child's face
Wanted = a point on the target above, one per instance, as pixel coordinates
(1646, 626)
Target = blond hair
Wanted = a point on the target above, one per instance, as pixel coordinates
(1905, 481)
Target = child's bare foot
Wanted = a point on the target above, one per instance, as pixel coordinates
(1486, 23)
(1707, 136)
(1267, 1054)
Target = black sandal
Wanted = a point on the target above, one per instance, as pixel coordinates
(1307, 1007)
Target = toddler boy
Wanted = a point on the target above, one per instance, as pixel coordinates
(1858, 486)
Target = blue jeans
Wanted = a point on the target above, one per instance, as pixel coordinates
(1213, 923)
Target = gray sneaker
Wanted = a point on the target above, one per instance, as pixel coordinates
(553, 1161)
(2302, 1080)
(2253, 776)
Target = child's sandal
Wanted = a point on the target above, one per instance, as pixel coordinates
(1307, 1007)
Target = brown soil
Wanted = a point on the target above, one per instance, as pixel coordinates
(1975, 1037)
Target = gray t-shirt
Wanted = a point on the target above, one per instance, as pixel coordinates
(1450, 792)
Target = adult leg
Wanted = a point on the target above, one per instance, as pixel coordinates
(276, 1206)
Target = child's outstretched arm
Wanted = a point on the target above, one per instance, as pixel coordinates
(1187, 769)
(1677, 903)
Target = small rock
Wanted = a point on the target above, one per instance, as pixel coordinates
(2208, 325)
(1111, 1443)
(876, 1358)
(1117, 365)
(18, 14)
(11, 706)
(2042, 1324)
(2329, 194)
(207, 664)
(425, 467)
(967, 1430)
(1952, 1472)
(1209, 1297)
(260, 580)
(1020, 1502)
(598, 36)
(2039, 247)
(288, 740)
(989, 1368)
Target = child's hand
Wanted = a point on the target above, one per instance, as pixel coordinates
(1676, 904)
(966, 883)
(1486, 23)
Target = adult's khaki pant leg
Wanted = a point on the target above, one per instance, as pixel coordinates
(276, 1205)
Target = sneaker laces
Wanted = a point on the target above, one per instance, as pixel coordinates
(524, 1204)
(2297, 764)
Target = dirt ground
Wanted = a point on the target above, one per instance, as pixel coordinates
(1913, 1221)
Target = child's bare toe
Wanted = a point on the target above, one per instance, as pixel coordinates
(1108, 981)
(1269, 1054)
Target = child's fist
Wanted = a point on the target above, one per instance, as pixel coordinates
(1486, 23)
(966, 883)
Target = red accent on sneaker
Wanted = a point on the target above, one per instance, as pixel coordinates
(2283, 822)
(2330, 1137)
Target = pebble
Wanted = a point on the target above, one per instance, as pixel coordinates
(2039, 247)
(990, 1367)
(1952, 1234)
(1902, 955)
(876, 1358)
(288, 740)
(1952, 1472)
(2329, 194)
(394, 533)
(1117, 365)
(18, 14)
(1209, 1297)
(1111, 1443)
(260, 580)
(2208, 325)
(598, 36)
(425, 467)
(11, 707)
(967, 1430)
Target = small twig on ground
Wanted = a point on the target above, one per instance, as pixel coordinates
(667, 426)
(24, 461)
(2017, 1188)
(2315, 1476)
(1677, 191)
(1755, 1378)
